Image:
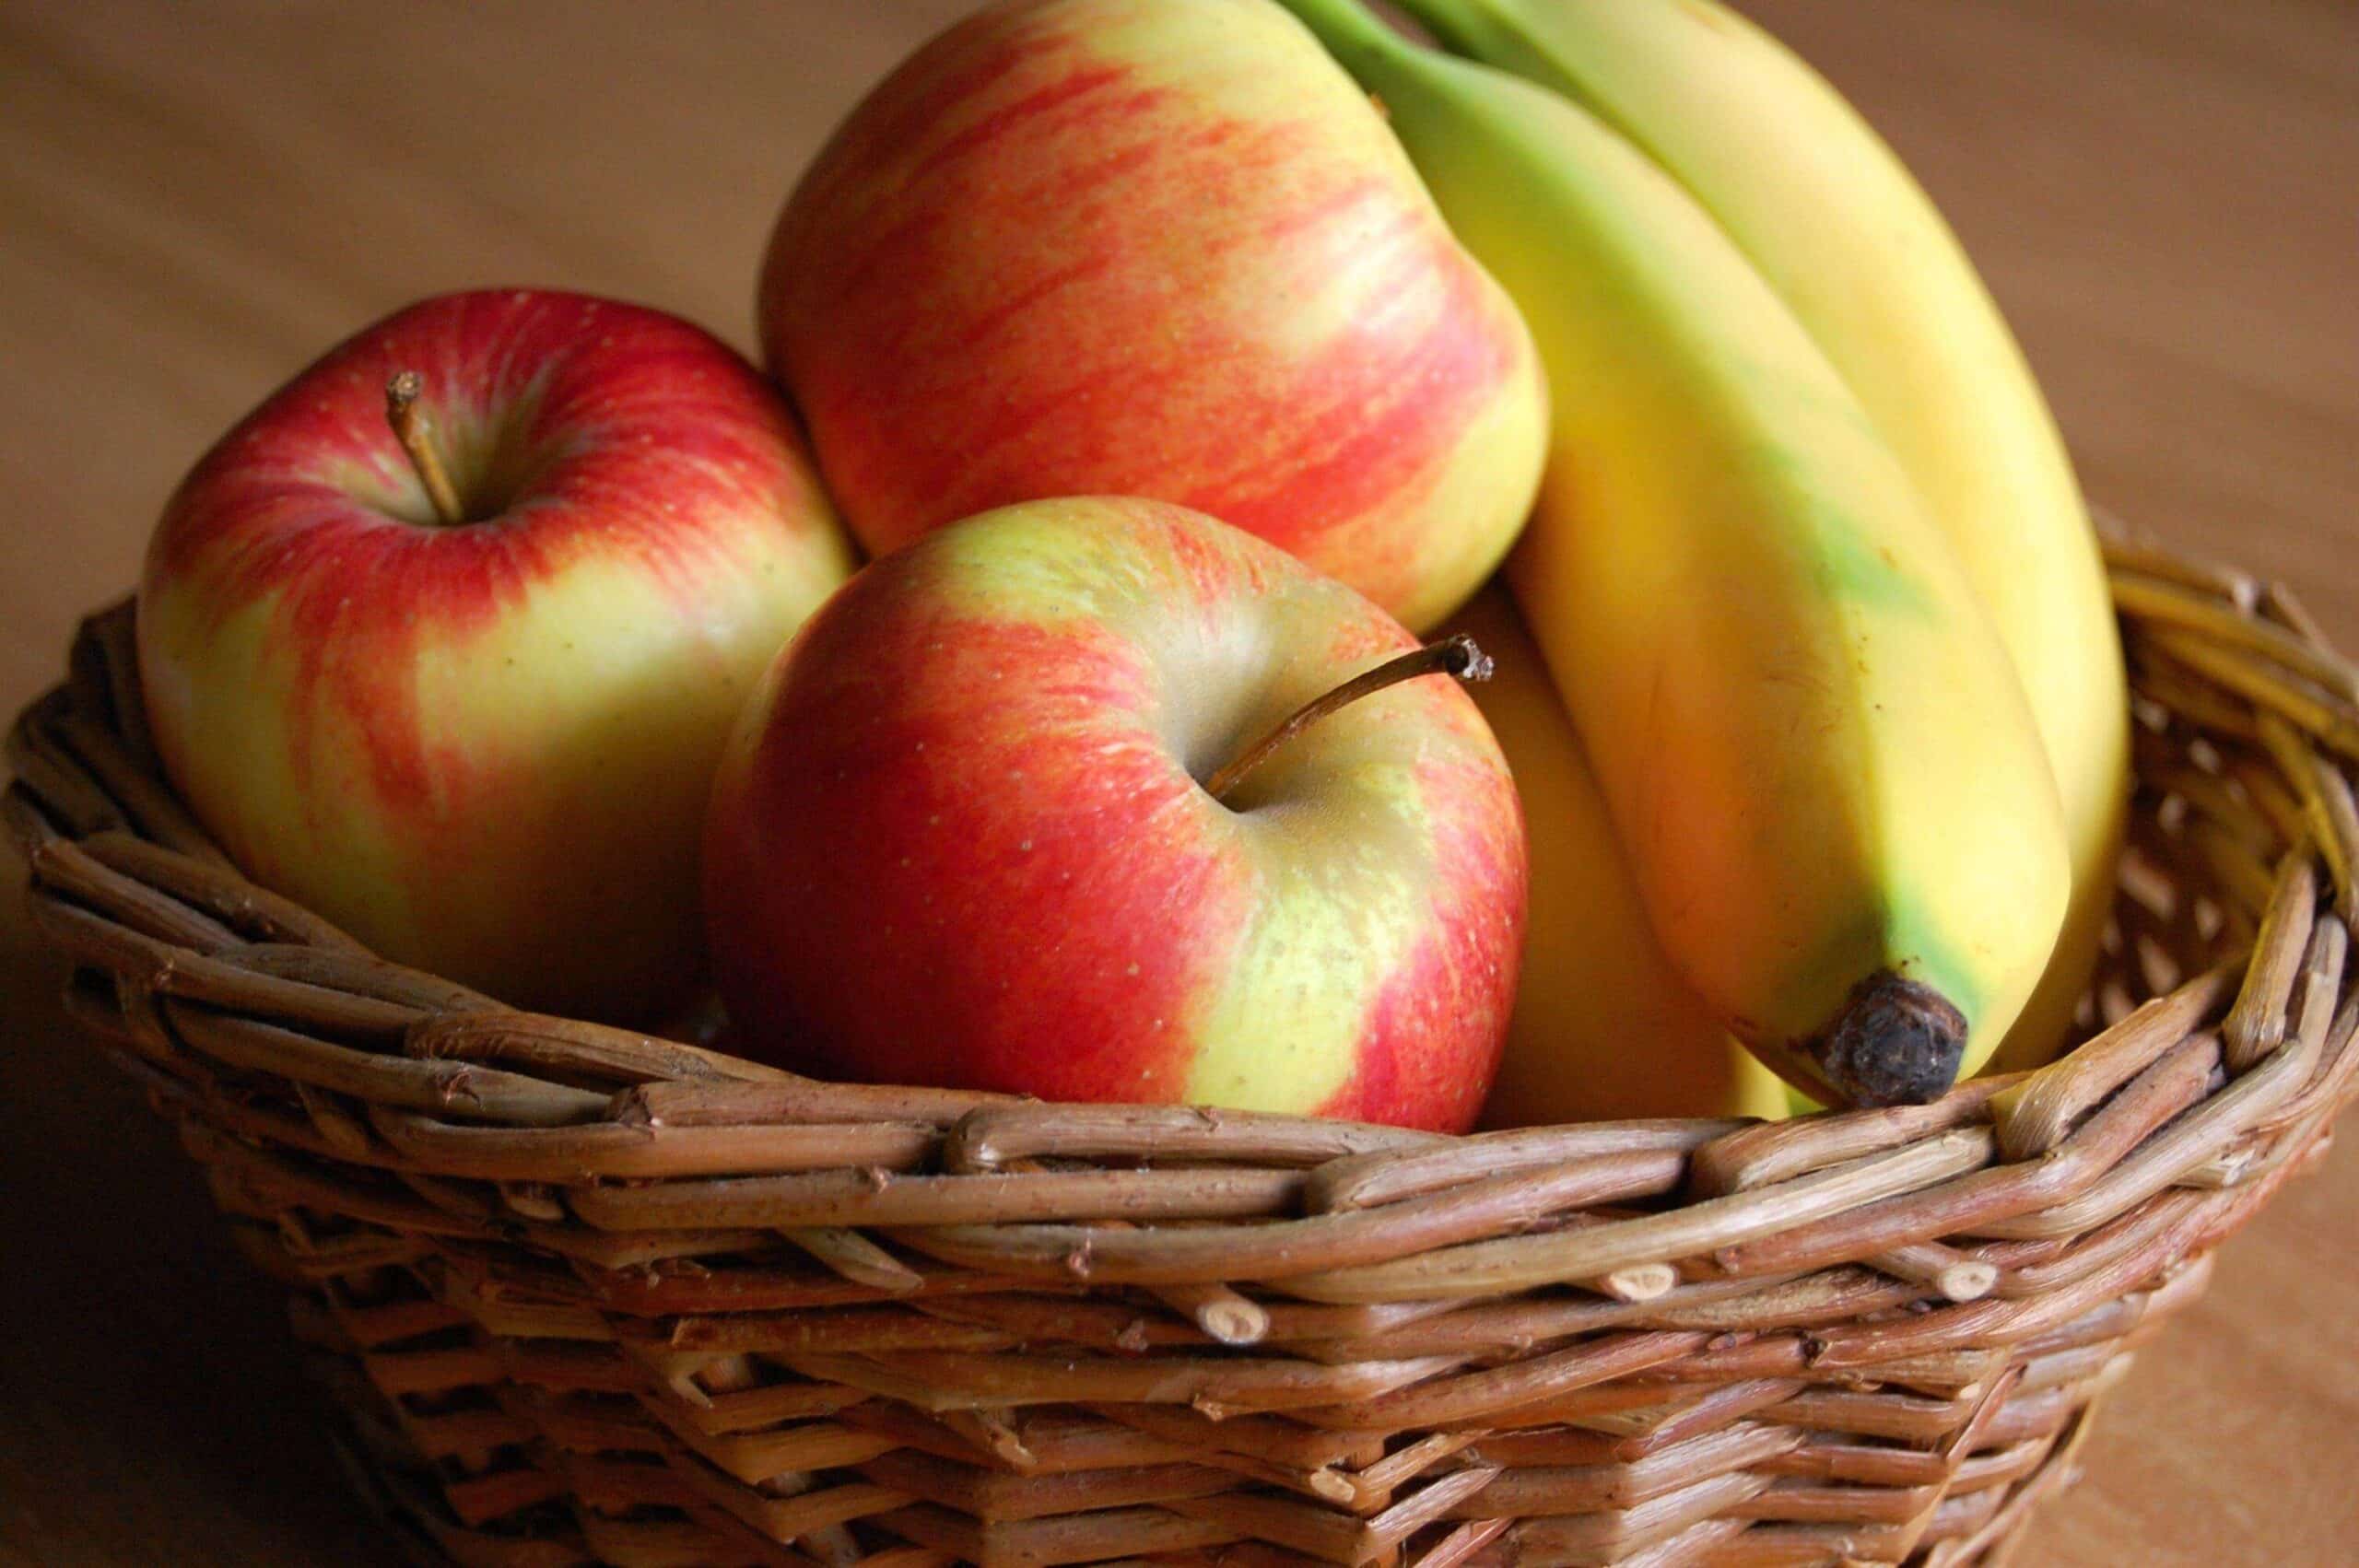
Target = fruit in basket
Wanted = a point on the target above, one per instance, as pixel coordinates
(1814, 751)
(1080, 247)
(460, 686)
(1604, 1027)
(1836, 224)
(980, 827)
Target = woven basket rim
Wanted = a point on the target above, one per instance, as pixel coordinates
(532, 1153)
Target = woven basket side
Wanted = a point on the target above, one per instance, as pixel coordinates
(586, 1295)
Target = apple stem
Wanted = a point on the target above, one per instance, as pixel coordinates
(1455, 656)
(416, 433)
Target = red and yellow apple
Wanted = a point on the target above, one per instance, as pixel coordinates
(477, 730)
(1101, 247)
(963, 833)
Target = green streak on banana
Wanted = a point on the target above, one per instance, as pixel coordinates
(1814, 750)
(1604, 1028)
(1839, 228)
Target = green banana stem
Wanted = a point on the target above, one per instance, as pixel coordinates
(1455, 24)
(1347, 28)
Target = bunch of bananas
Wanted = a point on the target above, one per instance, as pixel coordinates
(1824, 743)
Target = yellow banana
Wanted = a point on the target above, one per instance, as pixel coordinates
(1835, 223)
(1603, 1029)
(1809, 741)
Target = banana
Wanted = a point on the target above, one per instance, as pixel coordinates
(1834, 221)
(1603, 1030)
(1808, 736)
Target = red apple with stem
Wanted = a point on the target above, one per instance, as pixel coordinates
(1100, 247)
(444, 638)
(999, 819)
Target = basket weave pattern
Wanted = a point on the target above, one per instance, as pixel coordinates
(587, 1296)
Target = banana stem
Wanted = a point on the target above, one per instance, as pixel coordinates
(1345, 27)
(1448, 22)
(1455, 656)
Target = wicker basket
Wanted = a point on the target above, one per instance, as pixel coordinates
(587, 1296)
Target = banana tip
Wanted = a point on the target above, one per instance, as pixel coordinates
(1895, 1042)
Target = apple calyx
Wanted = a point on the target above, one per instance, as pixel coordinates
(1456, 656)
(416, 433)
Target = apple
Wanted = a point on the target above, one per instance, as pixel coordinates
(982, 825)
(1098, 247)
(460, 687)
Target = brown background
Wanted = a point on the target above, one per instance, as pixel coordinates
(195, 201)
